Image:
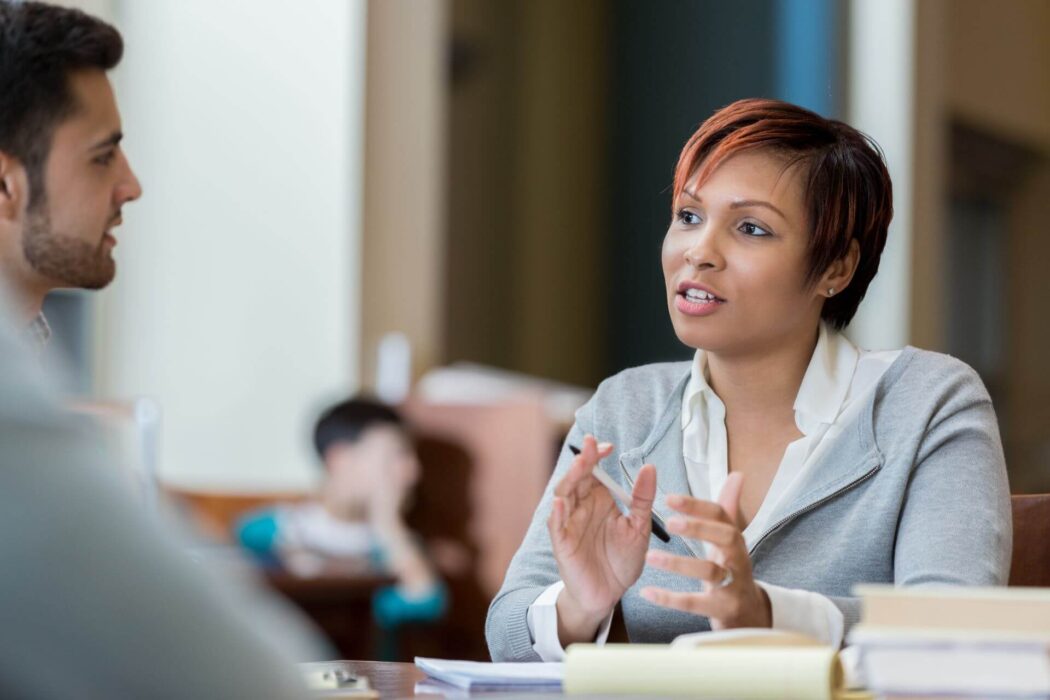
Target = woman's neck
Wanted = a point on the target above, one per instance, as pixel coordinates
(762, 383)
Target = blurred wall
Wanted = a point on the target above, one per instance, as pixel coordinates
(236, 303)
(403, 241)
(527, 231)
(882, 105)
(983, 184)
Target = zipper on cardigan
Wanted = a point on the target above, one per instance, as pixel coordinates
(811, 506)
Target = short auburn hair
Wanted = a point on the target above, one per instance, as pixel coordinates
(846, 188)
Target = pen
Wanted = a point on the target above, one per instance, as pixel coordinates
(618, 491)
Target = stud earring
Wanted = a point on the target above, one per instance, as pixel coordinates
(831, 291)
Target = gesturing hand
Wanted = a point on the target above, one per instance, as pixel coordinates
(599, 550)
(731, 597)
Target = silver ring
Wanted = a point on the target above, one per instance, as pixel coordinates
(726, 580)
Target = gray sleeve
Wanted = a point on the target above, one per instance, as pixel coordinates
(532, 569)
(955, 525)
(100, 601)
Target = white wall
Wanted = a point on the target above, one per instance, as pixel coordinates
(236, 302)
(881, 104)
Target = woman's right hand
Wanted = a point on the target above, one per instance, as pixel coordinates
(599, 550)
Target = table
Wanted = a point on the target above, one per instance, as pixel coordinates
(341, 606)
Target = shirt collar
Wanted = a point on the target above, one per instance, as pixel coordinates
(823, 390)
(37, 333)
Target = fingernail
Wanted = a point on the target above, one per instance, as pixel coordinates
(675, 501)
(655, 557)
(675, 524)
(603, 446)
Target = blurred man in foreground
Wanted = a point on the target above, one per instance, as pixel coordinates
(95, 600)
(63, 175)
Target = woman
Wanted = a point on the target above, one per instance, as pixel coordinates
(788, 464)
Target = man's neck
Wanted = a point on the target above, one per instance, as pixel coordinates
(762, 383)
(25, 290)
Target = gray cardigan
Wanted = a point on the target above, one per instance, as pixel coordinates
(912, 492)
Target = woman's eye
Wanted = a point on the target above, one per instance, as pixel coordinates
(753, 229)
(105, 158)
(687, 217)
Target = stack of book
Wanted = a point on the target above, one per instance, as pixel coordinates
(954, 642)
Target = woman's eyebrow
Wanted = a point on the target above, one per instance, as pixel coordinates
(756, 203)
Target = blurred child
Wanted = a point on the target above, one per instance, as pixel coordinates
(371, 466)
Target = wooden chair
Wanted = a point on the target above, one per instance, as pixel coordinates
(1031, 556)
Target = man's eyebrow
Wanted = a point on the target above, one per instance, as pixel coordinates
(756, 203)
(108, 142)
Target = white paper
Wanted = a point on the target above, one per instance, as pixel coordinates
(477, 674)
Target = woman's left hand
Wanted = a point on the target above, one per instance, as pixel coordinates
(730, 597)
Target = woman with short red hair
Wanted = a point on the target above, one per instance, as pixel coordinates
(788, 464)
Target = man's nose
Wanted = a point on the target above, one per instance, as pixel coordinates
(129, 188)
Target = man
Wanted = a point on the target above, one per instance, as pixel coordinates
(63, 175)
(96, 601)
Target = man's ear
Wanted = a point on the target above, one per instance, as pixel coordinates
(839, 273)
(14, 187)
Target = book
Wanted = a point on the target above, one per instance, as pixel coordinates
(1014, 610)
(958, 642)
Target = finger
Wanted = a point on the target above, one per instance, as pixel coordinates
(719, 534)
(703, 569)
(729, 499)
(556, 521)
(696, 603)
(643, 493)
(579, 474)
(698, 508)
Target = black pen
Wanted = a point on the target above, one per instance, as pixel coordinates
(619, 492)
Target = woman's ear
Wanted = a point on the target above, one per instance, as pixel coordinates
(839, 273)
(14, 187)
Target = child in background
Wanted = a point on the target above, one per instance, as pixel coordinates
(370, 466)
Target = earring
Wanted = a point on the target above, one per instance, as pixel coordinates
(831, 291)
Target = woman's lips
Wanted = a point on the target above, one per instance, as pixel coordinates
(704, 307)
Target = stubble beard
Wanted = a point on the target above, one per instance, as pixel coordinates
(66, 260)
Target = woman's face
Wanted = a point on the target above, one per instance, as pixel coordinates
(734, 259)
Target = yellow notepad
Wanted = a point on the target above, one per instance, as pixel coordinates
(758, 665)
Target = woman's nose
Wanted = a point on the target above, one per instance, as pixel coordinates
(704, 251)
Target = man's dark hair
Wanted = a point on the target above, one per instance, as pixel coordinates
(40, 45)
(347, 421)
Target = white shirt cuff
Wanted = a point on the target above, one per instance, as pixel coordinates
(542, 618)
(809, 613)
